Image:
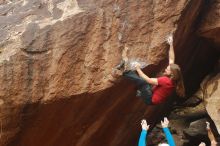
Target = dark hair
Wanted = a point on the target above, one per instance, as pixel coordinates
(177, 78)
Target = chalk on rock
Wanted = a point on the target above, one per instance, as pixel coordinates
(132, 63)
(169, 39)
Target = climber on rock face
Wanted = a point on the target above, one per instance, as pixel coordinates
(155, 90)
(142, 139)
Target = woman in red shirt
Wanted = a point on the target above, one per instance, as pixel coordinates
(156, 90)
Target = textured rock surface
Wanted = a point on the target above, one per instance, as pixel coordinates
(210, 92)
(197, 132)
(56, 58)
(210, 27)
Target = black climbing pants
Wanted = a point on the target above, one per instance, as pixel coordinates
(144, 89)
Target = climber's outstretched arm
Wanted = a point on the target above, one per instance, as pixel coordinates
(152, 81)
(171, 50)
(142, 139)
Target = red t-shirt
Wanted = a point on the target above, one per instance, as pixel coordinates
(161, 91)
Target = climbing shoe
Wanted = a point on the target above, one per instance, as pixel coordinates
(138, 93)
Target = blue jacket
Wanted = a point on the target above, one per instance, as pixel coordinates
(142, 139)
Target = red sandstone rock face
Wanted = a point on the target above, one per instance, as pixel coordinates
(55, 64)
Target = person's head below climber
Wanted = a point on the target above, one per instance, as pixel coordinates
(163, 144)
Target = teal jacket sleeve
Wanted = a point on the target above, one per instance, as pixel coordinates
(169, 137)
(142, 139)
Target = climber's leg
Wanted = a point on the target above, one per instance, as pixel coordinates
(144, 89)
(145, 92)
(132, 75)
